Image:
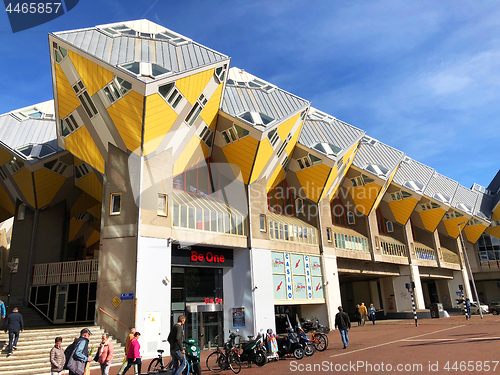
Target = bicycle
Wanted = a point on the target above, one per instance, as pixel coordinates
(157, 364)
(222, 360)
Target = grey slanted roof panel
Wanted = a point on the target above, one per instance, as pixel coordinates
(466, 197)
(412, 170)
(440, 184)
(265, 105)
(379, 154)
(484, 206)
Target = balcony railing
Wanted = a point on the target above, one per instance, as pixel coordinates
(355, 243)
(489, 259)
(450, 256)
(65, 272)
(393, 249)
(425, 253)
(289, 228)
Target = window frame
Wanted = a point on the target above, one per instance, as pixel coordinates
(297, 210)
(162, 212)
(263, 223)
(350, 215)
(111, 204)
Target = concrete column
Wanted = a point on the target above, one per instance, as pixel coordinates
(374, 235)
(453, 287)
(401, 294)
(375, 298)
(465, 271)
(332, 287)
(437, 247)
(414, 271)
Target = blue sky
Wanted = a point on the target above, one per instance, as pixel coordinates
(423, 77)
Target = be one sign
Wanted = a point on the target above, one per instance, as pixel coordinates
(207, 257)
(217, 301)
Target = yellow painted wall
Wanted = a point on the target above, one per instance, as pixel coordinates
(91, 185)
(242, 154)
(277, 176)
(126, 114)
(192, 86)
(402, 209)
(77, 161)
(331, 178)
(93, 76)
(496, 214)
(47, 184)
(264, 153)
(94, 237)
(81, 144)
(5, 201)
(287, 126)
(384, 189)
(82, 204)
(313, 180)
(24, 181)
(352, 152)
(473, 232)
(494, 231)
(157, 122)
(431, 218)
(67, 101)
(74, 228)
(193, 153)
(96, 211)
(365, 196)
(211, 110)
(5, 156)
(452, 226)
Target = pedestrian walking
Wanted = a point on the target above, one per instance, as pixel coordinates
(77, 354)
(357, 315)
(57, 358)
(363, 312)
(14, 324)
(177, 351)
(2, 309)
(105, 354)
(371, 313)
(134, 355)
(127, 346)
(344, 324)
(467, 309)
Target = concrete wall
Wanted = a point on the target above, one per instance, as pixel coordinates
(237, 283)
(49, 238)
(361, 291)
(332, 288)
(387, 290)
(263, 295)
(401, 294)
(453, 286)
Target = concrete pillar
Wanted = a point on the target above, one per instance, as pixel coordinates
(414, 271)
(332, 287)
(465, 271)
(374, 294)
(374, 235)
(453, 287)
(437, 247)
(401, 294)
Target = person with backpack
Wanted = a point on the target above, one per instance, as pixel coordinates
(77, 354)
(177, 351)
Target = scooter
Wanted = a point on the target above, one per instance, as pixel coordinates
(254, 350)
(289, 344)
(193, 354)
(309, 348)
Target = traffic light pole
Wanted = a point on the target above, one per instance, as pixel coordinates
(411, 288)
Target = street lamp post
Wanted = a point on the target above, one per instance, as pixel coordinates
(470, 270)
(13, 269)
(411, 289)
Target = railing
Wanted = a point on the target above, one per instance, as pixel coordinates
(345, 242)
(112, 317)
(65, 272)
(279, 230)
(450, 257)
(489, 259)
(425, 253)
(392, 249)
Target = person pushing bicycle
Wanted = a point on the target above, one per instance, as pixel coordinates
(177, 352)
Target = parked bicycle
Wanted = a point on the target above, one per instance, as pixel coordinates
(223, 359)
(319, 337)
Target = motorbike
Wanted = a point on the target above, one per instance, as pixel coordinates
(193, 354)
(309, 348)
(253, 350)
(289, 344)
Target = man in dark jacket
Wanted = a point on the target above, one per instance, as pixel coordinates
(176, 348)
(344, 324)
(79, 356)
(14, 324)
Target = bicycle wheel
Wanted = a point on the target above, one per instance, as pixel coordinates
(320, 343)
(234, 362)
(155, 364)
(215, 362)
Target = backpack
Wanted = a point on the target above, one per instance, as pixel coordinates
(68, 352)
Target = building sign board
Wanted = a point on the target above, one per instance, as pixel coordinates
(200, 256)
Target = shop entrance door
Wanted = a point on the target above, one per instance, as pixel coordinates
(60, 308)
(207, 322)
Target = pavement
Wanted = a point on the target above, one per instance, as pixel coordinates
(437, 346)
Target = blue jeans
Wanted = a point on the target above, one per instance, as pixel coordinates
(345, 337)
(13, 336)
(179, 361)
(372, 318)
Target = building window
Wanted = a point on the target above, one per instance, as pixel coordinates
(202, 179)
(339, 212)
(309, 160)
(299, 205)
(429, 206)
(15, 165)
(59, 53)
(285, 163)
(263, 226)
(400, 195)
(283, 146)
(68, 126)
(389, 226)
(351, 218)
(162, 205)
(21, 211)
(85, 99)
(361, 180)
(381, 222)
(116, 203)
(329, 234)
(117, 88)
(196, 110)
(207, 136)
(280, 199)
(273, 137)
(3, 175)
(256, 118)
(171, 94)
(220, 73)
(234, 133)
(82, 170)
(56, 166)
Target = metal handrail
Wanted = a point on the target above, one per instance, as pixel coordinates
(112, 317)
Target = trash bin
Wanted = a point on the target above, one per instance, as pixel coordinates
(435, 310)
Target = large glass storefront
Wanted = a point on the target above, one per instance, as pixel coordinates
(197, 290)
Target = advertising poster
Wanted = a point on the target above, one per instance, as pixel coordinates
(238, 317)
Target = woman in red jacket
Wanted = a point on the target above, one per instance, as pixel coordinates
(105, 354)
(134, 354)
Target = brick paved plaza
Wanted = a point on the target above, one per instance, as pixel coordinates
(436, 346)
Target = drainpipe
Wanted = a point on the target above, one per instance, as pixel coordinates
(30, 256)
